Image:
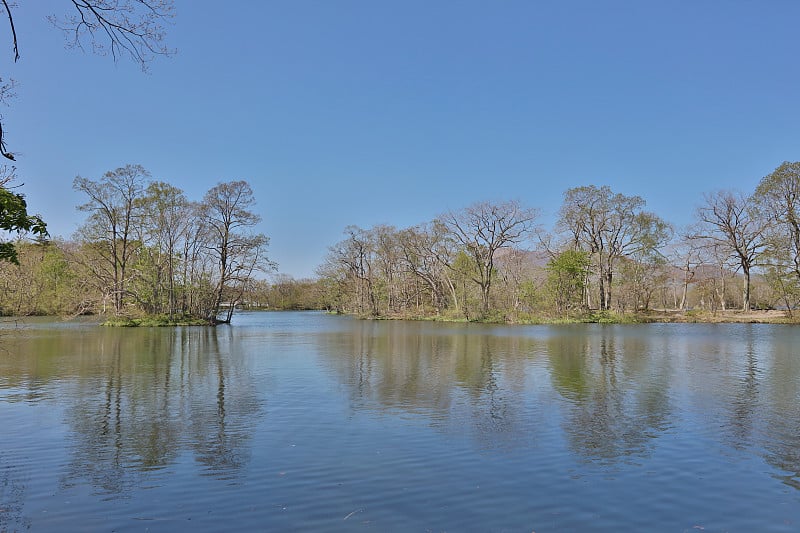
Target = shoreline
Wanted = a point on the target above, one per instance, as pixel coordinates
(611, 317)
(597, 317)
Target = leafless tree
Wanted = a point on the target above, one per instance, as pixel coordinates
(484, 228)
(112, 202)
(352, 261)
(778, 198)
(164, 215)
(426, 254)
(685, 256)
(610, 226)
(237, 251)
(728, 221)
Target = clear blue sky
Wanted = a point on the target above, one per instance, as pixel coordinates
(363, 112)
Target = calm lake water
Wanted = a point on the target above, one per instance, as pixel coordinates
(310, 422)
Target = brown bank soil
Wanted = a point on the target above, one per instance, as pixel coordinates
(722, 317)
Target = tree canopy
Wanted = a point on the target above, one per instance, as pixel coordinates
(14, 218)
(610, 226)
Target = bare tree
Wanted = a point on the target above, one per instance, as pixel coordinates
(353, 262)
(387, 261)
(515, 268)
(164, 217)
(610, 226)
(238, 252)
(484, 228)
(133, 28)
(778, 198)
(195, 292)
(426, 254)
(112, 203)
(729, 221)
(686, 257)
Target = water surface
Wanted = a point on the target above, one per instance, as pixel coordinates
(304, 421)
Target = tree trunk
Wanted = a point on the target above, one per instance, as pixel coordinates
(602, 283)
(485, 298)
(685, 287)
(746, 292)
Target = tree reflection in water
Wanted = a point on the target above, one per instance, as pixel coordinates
(619, 395)
(409, 412)
(456, 377)
(461, 378)
(163, 393)
(616, 396)
(780, 383)
(750, 377)
(745, 408)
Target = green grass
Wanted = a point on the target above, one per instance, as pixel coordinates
(610, 317)
(500, 317)
(154, 321)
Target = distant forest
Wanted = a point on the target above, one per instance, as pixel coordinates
(145, 249)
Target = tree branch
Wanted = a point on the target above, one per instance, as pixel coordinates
(13, 30)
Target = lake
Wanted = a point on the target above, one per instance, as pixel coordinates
(313, 422)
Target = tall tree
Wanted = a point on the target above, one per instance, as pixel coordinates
(109, 231)
(165, 216)
(427, 254)
(778, 198)
(196, 269)
(484, 228)
(730, 222)
(515, 270)
(685, 257)
(387, 262)
(610, 226)
(237, 251)
(351, 264)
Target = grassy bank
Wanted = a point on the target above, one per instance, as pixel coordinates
(593, 317)
(613, 317)
(154, 321)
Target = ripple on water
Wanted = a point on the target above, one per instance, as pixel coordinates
(310, 422)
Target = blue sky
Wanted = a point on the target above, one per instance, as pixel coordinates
(367, 112)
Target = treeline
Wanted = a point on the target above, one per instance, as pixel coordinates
(144, 249)
(606, 253)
